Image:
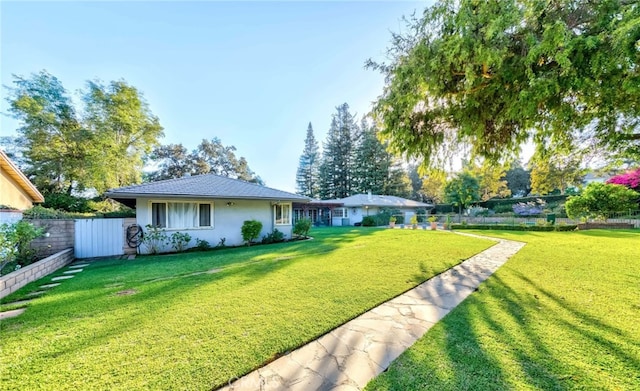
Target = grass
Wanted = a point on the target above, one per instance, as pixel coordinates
(562, 314)
(197, 320)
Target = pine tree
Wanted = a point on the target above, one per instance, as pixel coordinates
(336, 169)
(308, 167)
(372, 162)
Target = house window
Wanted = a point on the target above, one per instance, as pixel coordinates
(159, 214)
(340, 212)
(282, 213)
(205, 215)
(181, 215)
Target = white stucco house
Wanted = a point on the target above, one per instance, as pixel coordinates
(351, 210)
(209, 207)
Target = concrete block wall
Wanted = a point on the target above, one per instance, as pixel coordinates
(61, 236)
(16, 280)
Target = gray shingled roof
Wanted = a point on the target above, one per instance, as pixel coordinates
(377, 200)
(204, 186)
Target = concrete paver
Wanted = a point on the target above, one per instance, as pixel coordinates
(348, 357)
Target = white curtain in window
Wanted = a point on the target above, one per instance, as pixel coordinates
(182, 215)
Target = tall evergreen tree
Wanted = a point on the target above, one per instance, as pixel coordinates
(308, 168)
(336, 169)
(371, 163)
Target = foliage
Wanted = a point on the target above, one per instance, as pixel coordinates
(551, 319)
(393, 219)
(493, 75)
(518, 180)
(221, 243)
(369, 221)
(338, 155)
(180, 241)
(557, 172)
(212, 322)
(307, 174)
(462, 190)
(202, 245)
(273, 237)
(598, 199)
(15, 240)
(433, 186)
(125, 131)
(432, 219)
(630, 179)
(490, 180)
(251, 230)
(155, 239)
(209, 157)
(63, 151)
(40, 212)
(66, 202)
(530, 208)
(302, 227)
(372, 163)
(478, 211)
(413, 220)
(521, 227)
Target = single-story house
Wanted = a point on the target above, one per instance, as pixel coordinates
(351, 210)
(209, 207)
(17, 190)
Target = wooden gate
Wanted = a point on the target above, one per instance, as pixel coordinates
(98, 237)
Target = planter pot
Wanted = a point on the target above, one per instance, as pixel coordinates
(446, 226)
(434, 225)
(392, 225)
(414, 226)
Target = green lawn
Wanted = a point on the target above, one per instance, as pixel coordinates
(563, 313)
(188, 329)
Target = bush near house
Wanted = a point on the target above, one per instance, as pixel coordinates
(369, 221)
(251, 230)
(302, 227)
(15, 251)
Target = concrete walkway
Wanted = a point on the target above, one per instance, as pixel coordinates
(348, 357)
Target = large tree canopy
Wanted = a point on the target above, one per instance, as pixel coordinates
(98, 145)
(495, 74)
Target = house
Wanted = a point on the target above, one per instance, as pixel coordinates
(17, 193)
(351, 210)
(209, 207)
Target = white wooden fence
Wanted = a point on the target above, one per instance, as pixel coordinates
(98, 237)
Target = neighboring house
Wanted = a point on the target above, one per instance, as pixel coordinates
(351, 210)
(209, 207)
(16, 190)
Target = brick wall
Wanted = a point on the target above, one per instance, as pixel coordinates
(16, 280)
(61, 236)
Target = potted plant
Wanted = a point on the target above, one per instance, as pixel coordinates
(433, 220)
(392, 221)
(414, 222)
(447, 223)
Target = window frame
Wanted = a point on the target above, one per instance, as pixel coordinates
(344, 212)
(166, 213)
(275, 213)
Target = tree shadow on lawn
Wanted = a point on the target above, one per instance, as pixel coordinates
(517, 324)
(75, 302)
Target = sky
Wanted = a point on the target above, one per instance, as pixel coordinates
(253, 74)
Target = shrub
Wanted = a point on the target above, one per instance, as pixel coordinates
(274, 237)
(202, 245)
(598, 199)
(529, 208)
(369, 221)
(522, 227)
(251, 230)
(180, 241)
(14, 243)
(155, 239)
(67, 203)
(302, 227)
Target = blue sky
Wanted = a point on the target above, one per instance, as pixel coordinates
(253, 74)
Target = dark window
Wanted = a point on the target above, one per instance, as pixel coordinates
(159, 214)
(205, 215)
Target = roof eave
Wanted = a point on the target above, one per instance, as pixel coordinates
(116, 195)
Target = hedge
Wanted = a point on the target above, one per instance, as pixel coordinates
(547, 228)
(492, 203)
